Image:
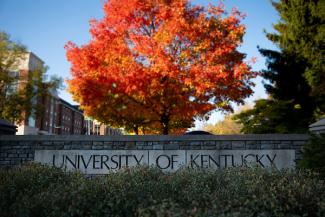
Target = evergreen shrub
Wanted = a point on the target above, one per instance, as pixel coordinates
(36, 190)
(314, 154)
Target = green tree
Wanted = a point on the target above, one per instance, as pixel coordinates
(19, 94)
(290, 107)
(294, 79)
(271, 116)
(314, 154)
(301, 31)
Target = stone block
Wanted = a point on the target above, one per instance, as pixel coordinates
(118, 145)
(267, 146)
(3, 155)
(138, 143)
(184, 143)
(11, 151)
(195, 147)
(46, 143)
(15, 161)
(268, 142)
(225, 145)
(195, 143)
(285, 145)
(97, 147)
(174, 146)
(238, 144)
(67, 143)
(209, 147)
(21, 151)
(22, 155)
(153, 143)
(97, 143)
(67, 147)
(87, 147)
(57, 143)
(253, 146)
(5, 162)
(184, 147)
(128, 145)
(158, 147)
(147, 147)
(299, 143)
(173, 143)
(23, 145)
(209, 143)
(49, 148)
(12, 155)
(5, 147)
(76, 146)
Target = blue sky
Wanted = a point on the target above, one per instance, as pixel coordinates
(45, 26)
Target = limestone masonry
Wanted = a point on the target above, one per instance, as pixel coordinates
(166, 152)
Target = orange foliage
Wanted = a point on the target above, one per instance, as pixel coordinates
(158, 63)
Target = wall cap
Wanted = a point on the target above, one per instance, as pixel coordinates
(156, 138)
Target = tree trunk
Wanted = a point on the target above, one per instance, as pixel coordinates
(136, 130)
(165, 130)
(165, 124)
(143, 131)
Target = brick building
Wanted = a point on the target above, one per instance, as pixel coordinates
(47, 122)
(58, 116)
(70, 119)
(29, 63)
(94, 127)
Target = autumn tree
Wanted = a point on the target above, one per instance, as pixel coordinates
(16, 91)
(159, 64)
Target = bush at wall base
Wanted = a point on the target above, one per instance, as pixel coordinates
(36, 190)
(314, 154)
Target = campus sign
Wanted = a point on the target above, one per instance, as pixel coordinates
(105, 161)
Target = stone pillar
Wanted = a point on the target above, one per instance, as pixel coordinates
(7, 128)
(318, 127)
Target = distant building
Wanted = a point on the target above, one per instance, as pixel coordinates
(47, 121)
(29, 63)
(94, 127)
(7, 128)
(58, 116)
(88, 126)
(70, 119)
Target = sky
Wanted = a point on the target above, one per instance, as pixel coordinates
(45, 26)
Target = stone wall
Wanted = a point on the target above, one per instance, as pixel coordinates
(15, 150)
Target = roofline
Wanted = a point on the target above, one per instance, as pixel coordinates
(37, 57)
(70, 105)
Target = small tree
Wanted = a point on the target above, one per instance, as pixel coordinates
(226, 126)
(272, 116)
(314, 154)
(18, 91)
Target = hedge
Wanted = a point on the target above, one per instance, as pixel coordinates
(314, 154)
(35, 190)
